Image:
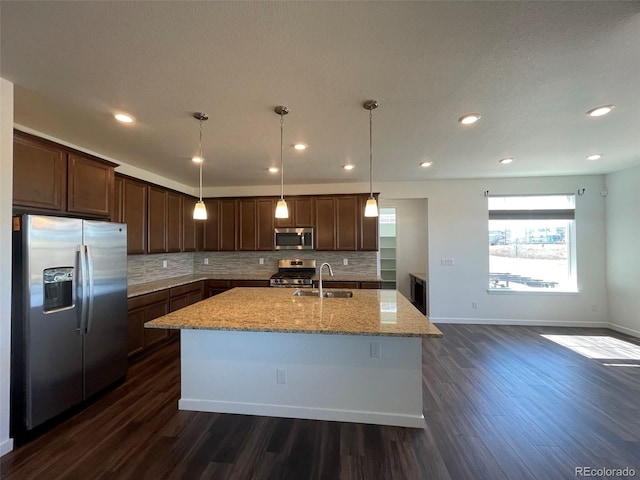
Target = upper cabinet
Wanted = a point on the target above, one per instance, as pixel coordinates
(340, 224)
(189, 242)
(301, 213)
(157, 221)
(368, 233)
(256, 223)
(134, 201)
(48, 176)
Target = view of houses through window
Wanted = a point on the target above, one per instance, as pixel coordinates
(531, 243)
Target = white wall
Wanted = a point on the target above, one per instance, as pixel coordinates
(458, 229)
(623, 246)
(6, 188)
(411, 239)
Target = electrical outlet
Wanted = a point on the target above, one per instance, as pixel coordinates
(206, 261)
(474, 304)
(447, 262)
(374, 350)
(281, 376)
(345, 261)
(164, 264)
(261, 261)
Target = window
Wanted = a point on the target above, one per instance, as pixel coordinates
(531, 243)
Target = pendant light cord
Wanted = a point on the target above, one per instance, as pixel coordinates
(281, 158)
(201, 160)
(370, 154)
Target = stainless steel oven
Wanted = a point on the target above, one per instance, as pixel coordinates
(293, 238)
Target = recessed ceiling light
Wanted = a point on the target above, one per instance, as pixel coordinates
(601, 110)
(426, 164)
(274, 169)
(123, 118)
(469, 118)
(196, 160)
(348, 166)
(595, 156)
(300, 146)
(506, 161)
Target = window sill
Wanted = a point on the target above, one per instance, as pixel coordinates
(507, 291)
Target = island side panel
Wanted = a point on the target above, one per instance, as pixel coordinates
(327, 377)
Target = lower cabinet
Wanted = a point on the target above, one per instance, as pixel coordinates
(144, 308)
(215, 287)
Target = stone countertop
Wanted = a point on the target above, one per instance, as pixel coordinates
(369, 312)
(421, 276)
(158, 285)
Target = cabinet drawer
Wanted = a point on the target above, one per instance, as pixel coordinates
(148, 299)
(218, 283)
(249, 283)
(370, 285)
(188, 288)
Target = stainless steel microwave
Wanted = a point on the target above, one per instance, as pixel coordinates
(293, 239)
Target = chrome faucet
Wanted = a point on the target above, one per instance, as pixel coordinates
(320, 279)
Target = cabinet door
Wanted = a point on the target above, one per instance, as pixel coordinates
(346, 222)
(90, 186)
(174, 222)
(303, 211)
(155, 335)
(135, 215)
(136, 319)
(39, 174)
(227, 220)
(188, 224)
(118, 200)
(247, 223)
(211, 234)
(157, 220)
(325, 231)
(368, 234)
(265, 224)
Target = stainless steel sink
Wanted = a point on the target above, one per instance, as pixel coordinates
(326, 293)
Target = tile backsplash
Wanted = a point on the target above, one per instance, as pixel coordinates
(147, 268)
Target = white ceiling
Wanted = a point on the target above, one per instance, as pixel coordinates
(532, 69)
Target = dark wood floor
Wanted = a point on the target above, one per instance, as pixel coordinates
(500, 403)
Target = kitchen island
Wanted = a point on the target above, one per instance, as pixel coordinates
(264, 351)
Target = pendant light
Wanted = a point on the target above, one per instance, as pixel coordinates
(371, 207)
(282, 211)
(200, 211)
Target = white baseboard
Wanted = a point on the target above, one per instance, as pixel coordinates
(287, 411)
(6, 446)
(513, 321)
(628, 331)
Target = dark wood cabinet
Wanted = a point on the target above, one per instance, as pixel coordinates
(135, 215)
(142, 309)
(325, 230)
(175, 219)
(50, 177)
(189, 243)
(255, 224)
(371, 285)
(249, 283)
(215, 287)
(303, 212)
(39, 173)
(227, 219)
(118, 200)
(157, 220)
(211, 226)
(265, 212)
(368, 234)
(90, 186)
(247, 224)
(346, 218)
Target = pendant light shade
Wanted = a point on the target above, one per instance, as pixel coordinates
(282, 211)
(200, 210)
(371, 208)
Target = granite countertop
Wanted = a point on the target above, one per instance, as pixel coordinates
(369, 312)
(158, 285)
(421, 276)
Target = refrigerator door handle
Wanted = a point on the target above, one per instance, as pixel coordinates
(90, 291)
(83, 288)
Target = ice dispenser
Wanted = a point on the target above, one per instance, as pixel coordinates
(58, 288)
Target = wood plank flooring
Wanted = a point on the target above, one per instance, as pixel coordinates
(500, 402)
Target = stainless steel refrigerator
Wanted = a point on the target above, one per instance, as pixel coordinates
(69, 314)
